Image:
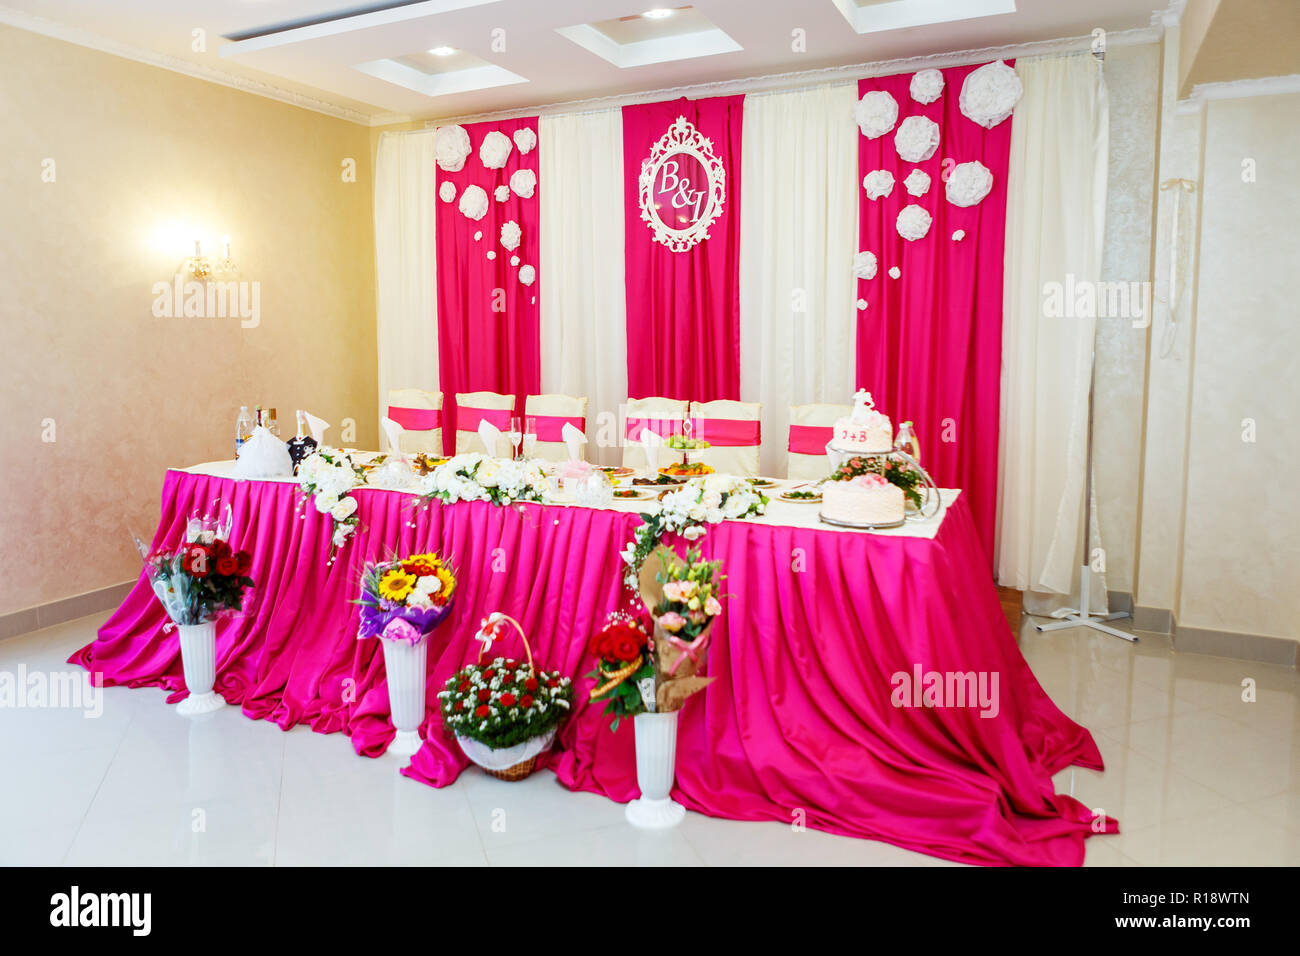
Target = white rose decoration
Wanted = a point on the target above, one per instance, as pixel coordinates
(876, 113)
(502, 193)
(447, 192)
(968, 183)
(990, 93)
(474, 202)
(525, 140)
(913, 223)
(917, 138)
(511, 234)
(495, 149)
(344, 509)
(523, 182)
(450, 147)
(917, 183)
(878, 183)
(527, 275)
(926, 86)
(864, 265)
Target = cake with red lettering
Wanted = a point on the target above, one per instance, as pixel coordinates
(866, 499)
(865, 431)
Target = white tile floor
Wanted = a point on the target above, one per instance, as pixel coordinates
(1195, 774)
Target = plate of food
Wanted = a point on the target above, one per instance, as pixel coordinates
(801, 495)
(761, 482)
(635, 494)
(617, 471)
(695, 469)
(423, 464)
(656, 480)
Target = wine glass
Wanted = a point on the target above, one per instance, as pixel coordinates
(516, 434)
(530, 436)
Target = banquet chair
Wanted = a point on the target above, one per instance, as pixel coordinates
(810, 430)
(734, 434)
(475, 407)
(420, 415)
(663, 416)
(551, 414)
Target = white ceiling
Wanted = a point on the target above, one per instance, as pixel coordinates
(554, 68)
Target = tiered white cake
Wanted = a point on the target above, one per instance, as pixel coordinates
(866, 499)
(866, 430)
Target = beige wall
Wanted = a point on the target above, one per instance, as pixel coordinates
(144, 157)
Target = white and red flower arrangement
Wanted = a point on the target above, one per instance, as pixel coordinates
(201, 579)
(625, 673)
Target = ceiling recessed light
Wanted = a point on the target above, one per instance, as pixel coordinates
(443, 50)
(658, 13)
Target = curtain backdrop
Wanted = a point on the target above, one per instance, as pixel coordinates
(487, 317)
(406, 290)
(798, 233)
(930, 342)
(584, 317)
(683, 308)
(1055, 228)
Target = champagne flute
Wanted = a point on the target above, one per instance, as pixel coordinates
(530, 436)
(516, 434)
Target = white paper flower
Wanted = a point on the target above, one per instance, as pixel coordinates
(959, 235)
(876, 113)
(968, 183)
(917, 138)
(514, 260)
(926, 86)
(913, 223)
(492, 254)
(525, 140)
(895, 272)
(877, 183)
(495, 149)
(917, 183)
(502, 193)
(862, 304)
(523, 182)
(527, 275)
(450, 147)
(447, 192)
(478, 235)
(990, 93)
(864, 265)
(511, 234)
(474, 202)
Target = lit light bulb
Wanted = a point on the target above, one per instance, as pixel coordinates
(658, 13)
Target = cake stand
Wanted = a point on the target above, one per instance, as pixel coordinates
(838, 456)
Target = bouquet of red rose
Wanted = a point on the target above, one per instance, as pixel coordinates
(201, 579)
(624, 673)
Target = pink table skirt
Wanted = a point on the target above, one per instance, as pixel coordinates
(799, 724)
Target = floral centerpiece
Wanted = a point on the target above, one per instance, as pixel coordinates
(478, 477)
(327, 476)
(624, 671)
(893, 470)
(685, 511)
(504, 713)
(402, 601)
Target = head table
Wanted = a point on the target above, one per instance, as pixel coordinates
(798, 727)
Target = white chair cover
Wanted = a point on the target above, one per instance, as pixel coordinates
(666, 411)
(722, 456)
(467, 440)
(809, 466)
(405, 406)
(554, 407)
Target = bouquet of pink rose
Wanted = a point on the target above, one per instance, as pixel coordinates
(683, 595)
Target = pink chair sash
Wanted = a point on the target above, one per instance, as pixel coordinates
(551, 427)
(810, 439)
(469, 418)
(416, 419)
(729, 432)
(663, 427)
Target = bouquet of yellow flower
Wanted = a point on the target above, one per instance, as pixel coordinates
(403, 600)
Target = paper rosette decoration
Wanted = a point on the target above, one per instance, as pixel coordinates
(878, 183)
(450, 147)
(525, 140)
(917, 183)
(677, 661)
(913, 222)
(495, 149)
(926, 86)
(510, 235)
(864, 265)
(990, 93)
(968, 183)
(917, 139)
(447, 191)
(523, 182)
(474, 202)
(876, 113)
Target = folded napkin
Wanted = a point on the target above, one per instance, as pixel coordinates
(652, 444)
(317, 427)
(574, 439)
(490, 435)
(263, 456)
(394, 433)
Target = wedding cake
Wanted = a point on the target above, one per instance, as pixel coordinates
(865, 430)
(864, 500)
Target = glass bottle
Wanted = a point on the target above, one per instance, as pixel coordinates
(243, 428)
(302, 444)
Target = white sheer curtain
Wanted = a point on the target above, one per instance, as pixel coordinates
(583, 307)
(798, 222)
(1056, 201)
(406, 302)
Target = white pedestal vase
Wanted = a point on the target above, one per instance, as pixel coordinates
(199, 660)
(656, 759)
(405, 665)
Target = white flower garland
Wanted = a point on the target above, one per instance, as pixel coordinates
(450, 147)
(474, 202)
(525, 140)
(523, 182)
(926, 86)
(917, 139)
(511, 234)
(990, 93)
(878, 183)
(495, 149)
(968, 183)
(477, 477)
(328, 476)
(913, 222)
(864, 265)
(917, 183)
(876, 113)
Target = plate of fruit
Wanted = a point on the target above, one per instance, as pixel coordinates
(693, 469)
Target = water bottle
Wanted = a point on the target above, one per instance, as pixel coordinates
(243, 428)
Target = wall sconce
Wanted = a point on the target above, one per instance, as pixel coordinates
(200, 267)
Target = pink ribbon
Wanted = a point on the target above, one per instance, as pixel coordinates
(400, 629)
(470, 417)
(688, 650)
(416, 419)
(551, 427)
(810, 439)
(729, 432)
(663, 427)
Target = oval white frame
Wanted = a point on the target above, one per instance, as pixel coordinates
(683, 138)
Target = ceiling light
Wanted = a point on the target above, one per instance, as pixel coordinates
(443, 50)
(658, 13)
